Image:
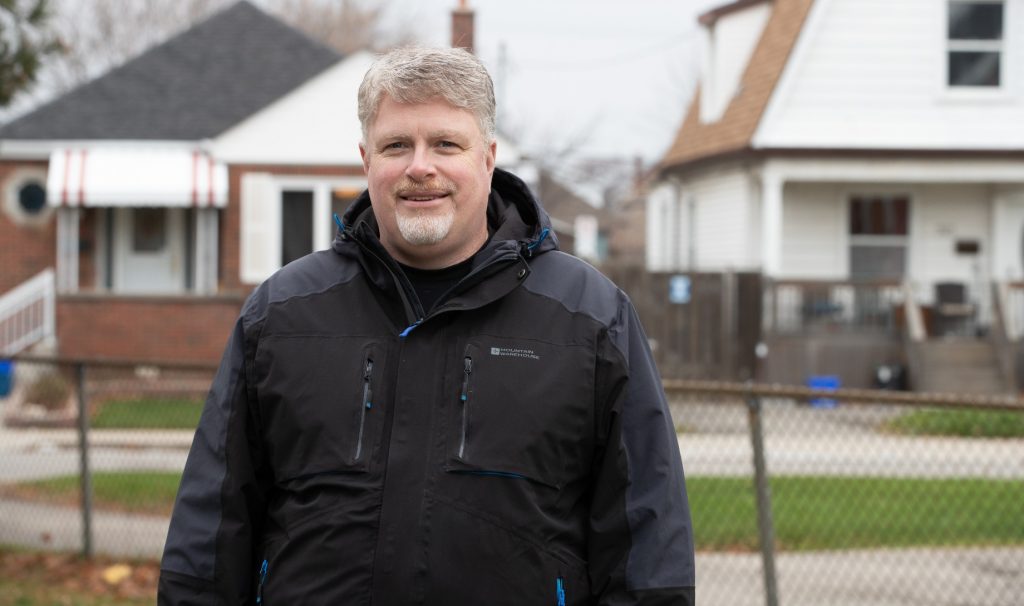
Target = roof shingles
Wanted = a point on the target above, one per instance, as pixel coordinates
(734, 130)
(194, 86)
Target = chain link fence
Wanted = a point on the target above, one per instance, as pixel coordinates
(799, 497)
(103, 482)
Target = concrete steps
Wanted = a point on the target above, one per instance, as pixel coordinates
(959, 366)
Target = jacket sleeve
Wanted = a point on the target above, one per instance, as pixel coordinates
(641, 539)
(208, 557)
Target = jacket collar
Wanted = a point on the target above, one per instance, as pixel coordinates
(519, 228)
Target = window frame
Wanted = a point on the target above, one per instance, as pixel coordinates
(879, 240)
(262, 206)
(1000, 46)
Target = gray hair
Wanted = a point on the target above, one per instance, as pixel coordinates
(417, 74)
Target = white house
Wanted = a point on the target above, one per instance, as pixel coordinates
(868, 155)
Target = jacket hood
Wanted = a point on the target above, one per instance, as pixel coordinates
(513, 213)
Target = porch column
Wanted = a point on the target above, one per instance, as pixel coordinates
(1006, 257)
(67, 249)
(771, 222)
(206, 239)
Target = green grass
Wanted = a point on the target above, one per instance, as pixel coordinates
(134, 491)
(811, 513)
(148, 413)
(814, 513)
(960, 422)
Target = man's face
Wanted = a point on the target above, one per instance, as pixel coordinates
(429, 171)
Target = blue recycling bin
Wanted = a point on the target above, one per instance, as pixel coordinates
(824, 382)
(6, 377)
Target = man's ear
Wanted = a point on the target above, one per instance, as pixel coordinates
(492, 154)
(366, 158)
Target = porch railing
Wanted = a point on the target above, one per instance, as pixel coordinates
(812, 306)
(28, 313)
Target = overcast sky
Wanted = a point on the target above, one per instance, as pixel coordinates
(609, 78)
(600, 78)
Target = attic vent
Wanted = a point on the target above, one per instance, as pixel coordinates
(25, 197)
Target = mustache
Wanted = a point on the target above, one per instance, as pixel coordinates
(436, 185)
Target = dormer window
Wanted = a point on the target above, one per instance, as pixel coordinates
(975, 43)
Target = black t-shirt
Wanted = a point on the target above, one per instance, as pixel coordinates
(430, 284)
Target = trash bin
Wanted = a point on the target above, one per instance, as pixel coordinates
(890, 376)
(825, 382)
(6, 377)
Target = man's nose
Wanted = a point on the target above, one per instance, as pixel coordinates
(421, 164)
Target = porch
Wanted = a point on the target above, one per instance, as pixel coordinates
(944, 337)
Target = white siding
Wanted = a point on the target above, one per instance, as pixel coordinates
(941, 214)
(723, 215)
(871, 74)
(318, 124)
(727, 50)
(814, 232)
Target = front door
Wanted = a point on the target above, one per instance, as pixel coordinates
(149, 250)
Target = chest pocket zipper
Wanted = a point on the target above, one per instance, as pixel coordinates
(464, 398)
(365, 404)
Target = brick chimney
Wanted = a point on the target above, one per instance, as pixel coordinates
(462, 26)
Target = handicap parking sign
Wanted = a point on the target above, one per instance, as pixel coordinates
(679, 289)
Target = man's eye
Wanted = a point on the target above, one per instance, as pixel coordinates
(447, 144)
(395, 145)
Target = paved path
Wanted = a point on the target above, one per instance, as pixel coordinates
(40, 526)
(891, 577)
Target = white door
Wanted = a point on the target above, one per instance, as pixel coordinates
(149, 250)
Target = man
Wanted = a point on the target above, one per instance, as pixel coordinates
(443, 409)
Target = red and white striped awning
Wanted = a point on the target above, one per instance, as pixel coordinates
(135, 176)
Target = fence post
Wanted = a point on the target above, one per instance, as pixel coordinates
(764, 502)
(83, 449)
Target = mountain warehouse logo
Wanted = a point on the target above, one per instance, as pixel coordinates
(512, 352)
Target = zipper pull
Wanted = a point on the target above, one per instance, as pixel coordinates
(560, 590)
(263, 579)
(468, 368)
(367, 391)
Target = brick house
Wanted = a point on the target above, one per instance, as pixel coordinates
(153, 199)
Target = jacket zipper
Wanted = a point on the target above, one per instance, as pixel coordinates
(464, 398)
(263, 579)
(560, 591)
(365, 404)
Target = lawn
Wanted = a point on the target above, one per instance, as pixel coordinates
(960, 422)
(810, 512)
(814, 513)
(135, 491)
(148, 413)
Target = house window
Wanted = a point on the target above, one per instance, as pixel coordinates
(149, 230)
(286, 217)
(879, 229)
(975, 43)
(296, 225)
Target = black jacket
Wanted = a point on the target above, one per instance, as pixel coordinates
(511, 446)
